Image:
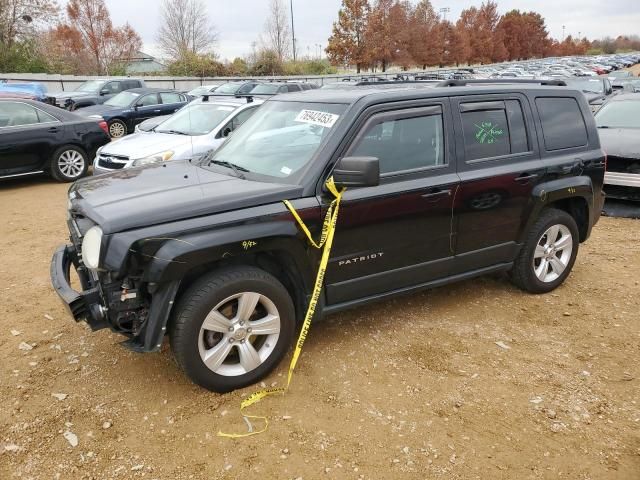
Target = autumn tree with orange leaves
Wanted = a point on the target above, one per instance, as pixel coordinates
(88, 42)
(347, 42)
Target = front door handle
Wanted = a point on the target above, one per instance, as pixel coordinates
(527, 177)
(157, 111)
(53, 130)
(436, 194)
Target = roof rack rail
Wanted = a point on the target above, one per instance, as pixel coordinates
(247, 96)
(396, 82)
(506, 81)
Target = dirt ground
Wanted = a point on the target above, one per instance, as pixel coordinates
(413, 388)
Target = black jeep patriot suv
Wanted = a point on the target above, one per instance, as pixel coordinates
(443, 184)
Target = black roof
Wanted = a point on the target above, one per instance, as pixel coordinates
(376, 95)
(59, 113)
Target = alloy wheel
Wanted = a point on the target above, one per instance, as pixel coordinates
(553, 253)
(71, 163)
(239, 334)
(117, 130)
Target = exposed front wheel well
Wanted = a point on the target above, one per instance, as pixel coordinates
(578, 208)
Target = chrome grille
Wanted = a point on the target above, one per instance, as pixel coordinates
(112, 162)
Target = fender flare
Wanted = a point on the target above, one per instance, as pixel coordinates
(177, 256)
(550, 192)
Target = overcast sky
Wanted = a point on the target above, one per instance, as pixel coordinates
(240, 22)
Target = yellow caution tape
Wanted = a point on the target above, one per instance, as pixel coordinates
(326, 241)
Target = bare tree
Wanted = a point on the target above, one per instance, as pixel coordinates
(186, 29)
(22, 18)
(277, 29)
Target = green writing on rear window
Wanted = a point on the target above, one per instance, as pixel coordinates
(487, 132)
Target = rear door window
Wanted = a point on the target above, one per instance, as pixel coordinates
(17, 115)
(169, 97)
(493, 129)
(563, 125)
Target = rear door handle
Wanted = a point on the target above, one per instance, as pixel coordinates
(53, 130)
(525, 177)
(157, 111)
(435, 194)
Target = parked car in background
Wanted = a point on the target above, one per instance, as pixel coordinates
(93, 92)
(127, 109)
(274, 88)
(596, 89)
(618, 124)
(203, 90)
(37, 138)
(32, 91)
(197, 129)
(236, 88)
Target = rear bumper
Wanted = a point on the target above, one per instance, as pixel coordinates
(622, 179)
(86, 305)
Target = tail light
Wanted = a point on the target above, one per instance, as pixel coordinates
(103, 125)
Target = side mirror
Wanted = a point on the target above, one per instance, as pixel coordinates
(357, 172)
(226, 132)
(104, 91)
(136, 107)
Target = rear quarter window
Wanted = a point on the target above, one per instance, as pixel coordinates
(563, 125)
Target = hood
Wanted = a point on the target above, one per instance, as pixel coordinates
(140, 145)
(167, 192)
(97, 110)
(620, 142)
(72, 94)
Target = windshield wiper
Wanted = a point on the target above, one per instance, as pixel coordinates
(173, 132)
(237, 169)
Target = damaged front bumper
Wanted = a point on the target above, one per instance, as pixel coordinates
(86, 305)
(103, 306)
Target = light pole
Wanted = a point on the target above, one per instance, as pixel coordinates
(444, 12)
(563, 33)
(293, 32)
(319, 50)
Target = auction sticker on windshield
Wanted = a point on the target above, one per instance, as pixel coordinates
(314, 117)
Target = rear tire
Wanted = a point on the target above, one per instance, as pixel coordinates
(68, 163)
(214, 329)
(548, 254)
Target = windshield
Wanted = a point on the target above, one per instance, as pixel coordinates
(123, 99)
(228, 88)
(589, 85)
(196, 119)
(280, 138)
(623, 114)
(266, 89)
(90, 86)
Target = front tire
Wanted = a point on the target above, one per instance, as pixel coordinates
(548, 254)
(68, 164)
(232, 327)
(117, 129)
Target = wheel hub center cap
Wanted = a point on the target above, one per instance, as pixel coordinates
(239, 333)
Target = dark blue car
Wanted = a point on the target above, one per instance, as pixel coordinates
(127, 109)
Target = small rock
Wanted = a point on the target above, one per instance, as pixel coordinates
(60, 396)
(536, 400)
(586, 373)
(286, 417)
(15, 333)
(136, 468)
(71, 437)
(405, 450)
(228, 467)
(557, 427)
(11, 448)
(627, 377)
(24, 346)
(106, 425)
(48, 317)
(566, 314)
(452, 459)
(285, 451)
(503, 345)
(551, 414)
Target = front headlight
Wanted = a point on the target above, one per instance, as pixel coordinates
(91, 247)
(157, 158)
